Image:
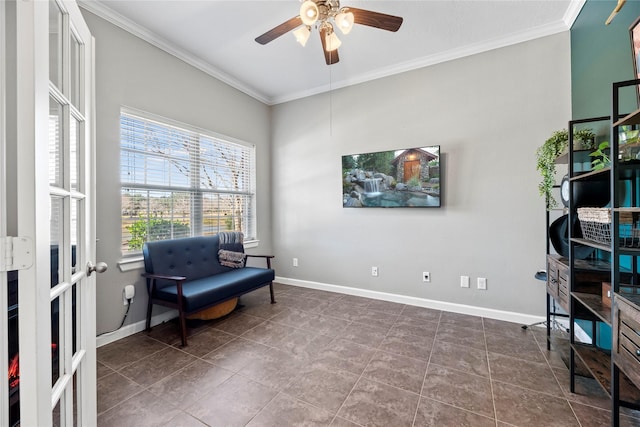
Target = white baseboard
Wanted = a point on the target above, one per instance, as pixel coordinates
(509, 316)
(134, 328)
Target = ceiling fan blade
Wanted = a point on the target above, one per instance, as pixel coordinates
(281, 29)
(329, 57)
(376, 19)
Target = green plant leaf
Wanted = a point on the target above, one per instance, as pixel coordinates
(546, 157)
(602, 159)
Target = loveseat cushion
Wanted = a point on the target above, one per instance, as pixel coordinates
(202, 292)
(191, 257)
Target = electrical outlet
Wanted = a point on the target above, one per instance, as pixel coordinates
(426, 276)
(295, 262)
(482, 283)
(374, 271)
(128, 292)
(464, 281)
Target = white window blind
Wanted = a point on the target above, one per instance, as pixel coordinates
(179, 182)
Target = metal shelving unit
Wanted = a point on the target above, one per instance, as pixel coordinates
(586, 297)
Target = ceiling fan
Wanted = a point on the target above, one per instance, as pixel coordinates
(325, 16)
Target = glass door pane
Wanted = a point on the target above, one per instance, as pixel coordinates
(14, 366)
(76, 248)
(74, 135)
(55, 143)
(56, 216)
(55, 44)
(74, 72)
(76, 221)
(56, 360)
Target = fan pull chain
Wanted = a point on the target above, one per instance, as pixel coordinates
(330, 99)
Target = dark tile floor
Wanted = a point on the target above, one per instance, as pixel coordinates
(320, 358)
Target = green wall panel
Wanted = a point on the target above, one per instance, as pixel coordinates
(601, 55)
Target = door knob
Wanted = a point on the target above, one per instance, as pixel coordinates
(100, 267)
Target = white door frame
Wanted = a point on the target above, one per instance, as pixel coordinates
(32, 179)
(32, 110)
(4, 325)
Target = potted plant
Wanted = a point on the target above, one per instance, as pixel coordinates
(546, 156)
(584, 139)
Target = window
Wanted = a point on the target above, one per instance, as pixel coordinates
(178, 182)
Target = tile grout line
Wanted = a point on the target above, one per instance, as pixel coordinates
(493, 395)
(546, 362)
(377, 348)
(280, 390)
(558, 382)
(266, 404)
(307, 358)
(426, 371)
(354, 384)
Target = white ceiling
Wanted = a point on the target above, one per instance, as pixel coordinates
(218, 37)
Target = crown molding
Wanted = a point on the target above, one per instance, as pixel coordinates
(570, 16)
(126, 24)
(450, 55)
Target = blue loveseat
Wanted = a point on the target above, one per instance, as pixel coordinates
(186, 274)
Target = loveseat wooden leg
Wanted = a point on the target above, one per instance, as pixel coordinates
(183, 329)
(273, 299)
(149, 307)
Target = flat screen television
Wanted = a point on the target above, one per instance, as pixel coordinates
(408, 178)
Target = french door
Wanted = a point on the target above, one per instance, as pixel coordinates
(56, 213)
(4, 303)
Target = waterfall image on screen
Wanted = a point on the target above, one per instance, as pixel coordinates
(392, 179)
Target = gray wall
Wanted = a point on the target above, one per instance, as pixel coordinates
(133, 73)
(489, 113)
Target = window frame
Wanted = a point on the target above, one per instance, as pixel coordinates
(134, 256)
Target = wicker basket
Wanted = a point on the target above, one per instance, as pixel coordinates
(596, 226)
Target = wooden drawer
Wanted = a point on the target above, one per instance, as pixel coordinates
(552, 277)
(552, 287)
(563, 289)
(626, 337)
(558, 281)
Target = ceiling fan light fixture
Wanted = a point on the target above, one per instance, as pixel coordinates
(309, 12)
(324, 16)
(332, 42)
(344, 20)
(302, 35)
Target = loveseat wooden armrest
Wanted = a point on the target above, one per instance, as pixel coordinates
(266, 257)
(151, 278)
(163, 276)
